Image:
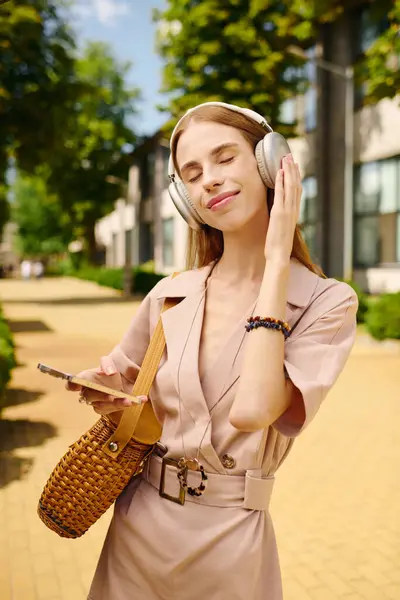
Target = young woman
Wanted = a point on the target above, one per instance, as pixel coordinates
(231, 395)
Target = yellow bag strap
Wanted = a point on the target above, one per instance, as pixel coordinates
(130, 417)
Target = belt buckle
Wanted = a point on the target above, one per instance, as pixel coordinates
(177, 499)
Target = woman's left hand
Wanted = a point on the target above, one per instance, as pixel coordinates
(285, 212)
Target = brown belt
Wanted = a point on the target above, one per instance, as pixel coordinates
(251, 491)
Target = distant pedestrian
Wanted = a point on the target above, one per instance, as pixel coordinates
(26, 269)
(38, 269)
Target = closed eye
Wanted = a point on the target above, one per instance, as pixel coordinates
(225, 161)
(193, 179)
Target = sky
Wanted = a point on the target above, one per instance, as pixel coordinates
(127, 26)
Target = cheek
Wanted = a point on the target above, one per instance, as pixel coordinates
(256, 189)
(195, 193)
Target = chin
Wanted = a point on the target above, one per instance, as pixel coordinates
(234, 221)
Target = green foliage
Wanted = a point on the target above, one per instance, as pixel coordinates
(380, 68)
(236, 51)
(383, 317)
(230, 51)
(7, 356)
(143, 277)
(144, 281)
(94, 137)
(67, 112)
(103, 276)
(43, 228)
(36, 65)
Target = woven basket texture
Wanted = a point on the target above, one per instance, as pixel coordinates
(86, 481)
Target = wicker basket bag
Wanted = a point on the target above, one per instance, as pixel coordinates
(97, 468)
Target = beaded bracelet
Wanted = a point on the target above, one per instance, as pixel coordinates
(268, 323)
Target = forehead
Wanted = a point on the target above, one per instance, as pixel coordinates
(200, 138)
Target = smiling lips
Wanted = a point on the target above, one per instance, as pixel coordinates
(221, 200)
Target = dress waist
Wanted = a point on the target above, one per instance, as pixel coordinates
(251, 490)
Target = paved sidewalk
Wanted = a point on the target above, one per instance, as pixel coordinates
(336, 501)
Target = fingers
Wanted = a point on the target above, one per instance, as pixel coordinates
(279, 185)
(107, 407)
(73, 387)
(292, 184)
(107, 366)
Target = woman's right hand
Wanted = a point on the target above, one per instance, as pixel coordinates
(106, 374)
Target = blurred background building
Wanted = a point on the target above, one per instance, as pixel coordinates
(147, 226)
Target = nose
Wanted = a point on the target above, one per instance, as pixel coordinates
(211, 179)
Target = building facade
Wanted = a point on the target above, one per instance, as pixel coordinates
(145, 226)
(148, 226)
(374, 217)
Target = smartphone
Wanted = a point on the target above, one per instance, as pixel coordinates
(86, 383)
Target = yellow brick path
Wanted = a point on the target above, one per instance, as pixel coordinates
(336, 504)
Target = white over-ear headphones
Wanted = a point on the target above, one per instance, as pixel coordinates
(269, 153)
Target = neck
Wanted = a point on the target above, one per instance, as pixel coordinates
(243, 258)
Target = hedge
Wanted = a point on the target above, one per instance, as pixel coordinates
(7, 356)
(143, 278)
(383, 317)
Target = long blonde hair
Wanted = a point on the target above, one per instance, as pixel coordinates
(207, 245)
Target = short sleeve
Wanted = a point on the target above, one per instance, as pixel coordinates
(317, 352)
(129, 353)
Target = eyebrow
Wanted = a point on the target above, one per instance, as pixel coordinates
(214, 152)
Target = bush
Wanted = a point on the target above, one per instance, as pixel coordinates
(144, 281)
(363, 304)
(143, 277)
(383, 317)
(7, 356)
(107, 277)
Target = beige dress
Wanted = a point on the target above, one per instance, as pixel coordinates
(219, 547)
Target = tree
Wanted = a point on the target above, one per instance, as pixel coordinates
(94, 136)
(379, 68)
(35, 83)
(236, 51)
(228, 50)
(36, 70)
(43, 228)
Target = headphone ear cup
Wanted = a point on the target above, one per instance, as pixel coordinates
(183, 204)
(269, 153)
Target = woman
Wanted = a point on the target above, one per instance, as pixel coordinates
(230, 394)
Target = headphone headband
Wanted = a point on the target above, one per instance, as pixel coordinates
(247, 112)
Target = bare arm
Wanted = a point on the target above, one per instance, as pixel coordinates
(264, 393)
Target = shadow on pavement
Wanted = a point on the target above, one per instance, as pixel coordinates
(20, 434)
(16, 396)
(13, 468)
(27, 326)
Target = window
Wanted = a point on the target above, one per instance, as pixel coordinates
(146, 242)
(168, 242)
(310, 97)
(377, 213)
(308, 213)
(147, 175)
(287, 111)
(310, 109)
